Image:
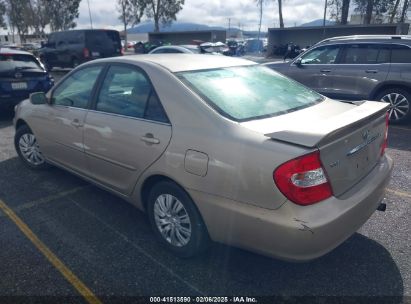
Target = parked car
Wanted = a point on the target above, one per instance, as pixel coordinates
(71, 48)
(20, 74)
(270, 166)
(356, 68)
(169, 49)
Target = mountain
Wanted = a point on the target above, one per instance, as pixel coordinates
(318, 22)
(147, 27)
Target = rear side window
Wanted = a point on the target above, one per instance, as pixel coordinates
(127, 91)
(247, 93)
(20, 61)
(401, 54)
(361, 54)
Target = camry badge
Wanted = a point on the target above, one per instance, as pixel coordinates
(18, 75)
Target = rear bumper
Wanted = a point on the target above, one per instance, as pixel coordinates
(293, 232)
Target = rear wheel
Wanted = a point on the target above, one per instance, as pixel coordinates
(400, 104)
(28, 149)
(176, 221)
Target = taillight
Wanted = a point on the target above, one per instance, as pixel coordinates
(86, 53)
(303, 180)
(384, 143)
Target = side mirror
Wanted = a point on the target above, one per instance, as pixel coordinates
(298, 62)
(38, 98)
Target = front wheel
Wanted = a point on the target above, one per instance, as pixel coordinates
(400, 104)
(176, 221)
(28, 149)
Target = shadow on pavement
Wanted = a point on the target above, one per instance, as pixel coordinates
(6, 118)
(109, 244)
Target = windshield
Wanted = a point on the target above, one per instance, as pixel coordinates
(20, 61)
(247, 93)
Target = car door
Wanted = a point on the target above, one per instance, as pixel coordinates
(62, 121)
(128, 129)
(313, 68)
(362, 66)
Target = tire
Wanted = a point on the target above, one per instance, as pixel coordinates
(400, 108)
(28, 150)
(187, 218)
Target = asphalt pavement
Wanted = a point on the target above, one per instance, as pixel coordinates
(108, 246)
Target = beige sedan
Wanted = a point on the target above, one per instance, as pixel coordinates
(215, 148)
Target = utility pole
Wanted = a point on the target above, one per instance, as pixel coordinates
(229, 27)
(89, 14)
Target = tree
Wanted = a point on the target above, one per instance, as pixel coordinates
(163, 10)
(131, 12)
(335, 9)
(2, 15)
(19, 16)
(368, 8)
(404, 10)
(40, 17)
(394, 11)
(62, 13)
(344, 11)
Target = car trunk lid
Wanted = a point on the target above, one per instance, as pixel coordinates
(349, 137)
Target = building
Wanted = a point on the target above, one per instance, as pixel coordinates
(307, 36)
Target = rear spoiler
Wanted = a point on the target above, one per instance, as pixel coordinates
(320, 134)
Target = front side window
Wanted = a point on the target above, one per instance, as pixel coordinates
(321, 55)
(247, 93)
(126, 91)
(75, 91)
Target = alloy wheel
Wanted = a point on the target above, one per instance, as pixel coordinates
(399, 105)
(30, 149)
(172, 220)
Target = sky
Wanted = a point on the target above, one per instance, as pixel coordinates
(214, 12)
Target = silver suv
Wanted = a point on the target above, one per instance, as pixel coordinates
(358, 67)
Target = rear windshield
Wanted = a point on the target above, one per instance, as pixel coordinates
(20, 61)
(247, 93)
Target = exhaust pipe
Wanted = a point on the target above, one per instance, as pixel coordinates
(382, 207)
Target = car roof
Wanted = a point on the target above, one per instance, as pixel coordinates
(6, 50)
(184, 62)
(404, 39)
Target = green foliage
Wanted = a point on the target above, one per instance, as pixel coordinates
(62, 13)
(378, 8)
(163, 11)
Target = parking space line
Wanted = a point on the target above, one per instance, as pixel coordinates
(88, 295)
(141, 250)
(399, 193)
(47, 199)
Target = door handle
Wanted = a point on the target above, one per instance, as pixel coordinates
(149, 139)
(371, 71)
(325, 71)
(76, 123)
